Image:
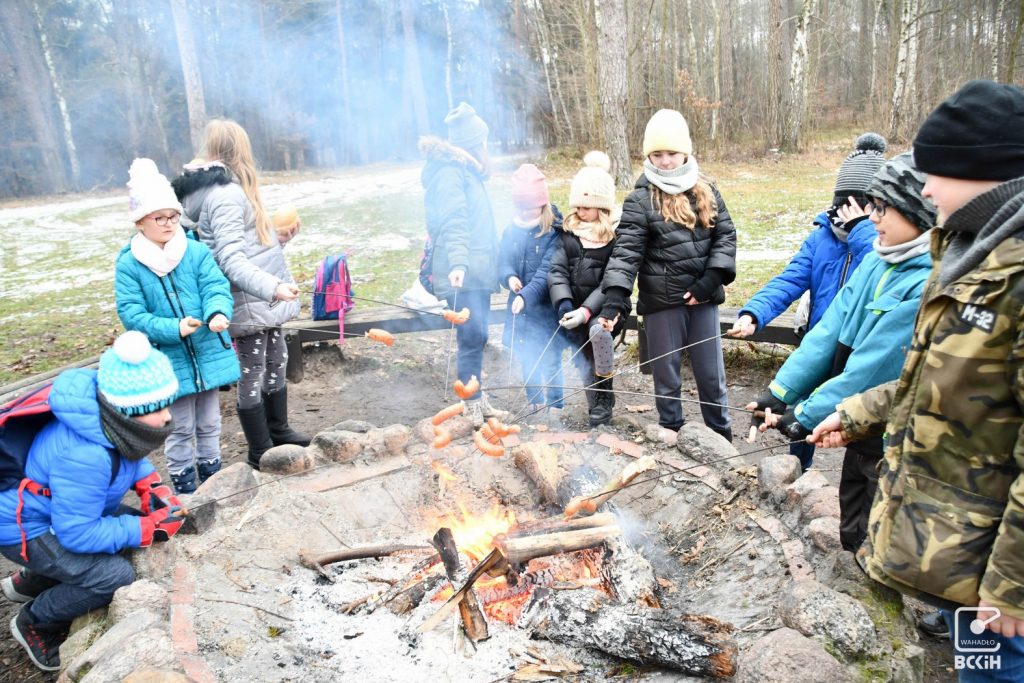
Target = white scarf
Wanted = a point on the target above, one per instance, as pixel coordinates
(675, 181)
(906, 251)
(160, 260)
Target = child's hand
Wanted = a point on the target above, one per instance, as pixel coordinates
(218, 323)
(607, 324)
(515, 284)
(829, 433)
(851, 211)
(456, 278)
(286, 291)
(574, 319)
(187, 326)
(743, 327)
(517, 305)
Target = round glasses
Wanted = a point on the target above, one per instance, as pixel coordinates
(879, 207)
(164, 220)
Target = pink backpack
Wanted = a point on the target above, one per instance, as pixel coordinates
(332, 292)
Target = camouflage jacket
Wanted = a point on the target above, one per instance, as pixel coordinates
(948, 518)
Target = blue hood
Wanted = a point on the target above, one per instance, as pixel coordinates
(73, 400)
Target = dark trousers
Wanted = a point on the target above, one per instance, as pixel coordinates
(857, 486)
(804, 451)
(546, 376)
(471, 336)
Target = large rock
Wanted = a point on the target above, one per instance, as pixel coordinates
(141, 594)
(149, 675)
(786, 656)
(201, 517)
(907, 665)
(837, 619)
(811, 480)
(85, 630)
(287, 459)
(824, 533)
(235, 479)
(823, 502)
(655, 433)
(702, 444)
(357, 426)
(155, 562)
(114, 639)
(776, 472)
(396, 439)
(339, 446)
(459, 427)
(150, 649)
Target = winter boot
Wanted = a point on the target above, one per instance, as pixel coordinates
(23, 585)
(257, 433)
(42, 646)
(207, 468)
(276, 406)
(604, 402)
(185, 481)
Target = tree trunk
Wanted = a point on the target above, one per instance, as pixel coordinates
(1011, 62)
(796, 104)
(345, 132)
(449, 56)
(62, 104)
(904, 82)
(775, 85)
(415, 95)
(726, 72)
(997, 23)
(192, 74)
(612, 70)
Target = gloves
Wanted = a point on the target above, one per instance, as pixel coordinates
(791, 427)
(574, 319)
(564, 306)
(703, 289)
(766, 400)
(616, 301)
(143, 487)
(160, 525)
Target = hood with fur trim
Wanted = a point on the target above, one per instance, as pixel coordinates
(189, 186)
(438, 151)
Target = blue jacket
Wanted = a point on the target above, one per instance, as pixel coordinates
(528, 257)
(823, 265)
(871, 320)
(72, 457)
(155, 305)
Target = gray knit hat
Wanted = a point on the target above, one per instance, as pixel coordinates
(899, 183)
(859, 167)
(465, 128)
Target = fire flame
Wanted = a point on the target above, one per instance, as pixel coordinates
(474, 534)
(443, 471)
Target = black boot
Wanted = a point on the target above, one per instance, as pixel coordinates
(276, 406)
(257, 434)
(724, 433)
(604, 402)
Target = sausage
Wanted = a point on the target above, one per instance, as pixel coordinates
(445, 413)
(493, 450)
(580, 504)
(382, 336)
(466, 391)
(442, 437)
(489, 434)
(500, 428)
(456, 318)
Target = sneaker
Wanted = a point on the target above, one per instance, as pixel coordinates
(40, 646)
(555, 419)
(933, 624)
(474, 411)
(23, 587)
(487, 410)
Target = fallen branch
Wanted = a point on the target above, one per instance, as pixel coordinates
(244, 604)
(311, 561)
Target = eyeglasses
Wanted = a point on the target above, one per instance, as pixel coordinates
(164, 220)
(879, 207)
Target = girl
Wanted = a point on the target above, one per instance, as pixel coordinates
(167, 286)
(677, 235)
(462, 257)
(222, 198)
(577, 268)
(524, 260)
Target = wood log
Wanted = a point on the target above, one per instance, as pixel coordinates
(695, 644)
(539, 462)
(520, 550)
(411, 578)
(313, 560)
(549, 525)
(410, 597)
(587, 504)
(472, 617)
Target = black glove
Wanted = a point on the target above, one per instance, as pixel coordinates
(564, 306)
(703, 289)
(791, 427)
(616, 302)
(767, 400)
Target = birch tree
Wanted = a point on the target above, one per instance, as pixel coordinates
(62, 104)
(192, 74)
(796, 103)
(902, 114)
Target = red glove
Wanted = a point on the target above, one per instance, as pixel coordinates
(159, 526)
(154, 495)
(143, 487)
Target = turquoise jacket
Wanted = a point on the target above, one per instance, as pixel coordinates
(155, 305)
(870, 323)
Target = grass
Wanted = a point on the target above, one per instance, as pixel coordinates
(772, 202)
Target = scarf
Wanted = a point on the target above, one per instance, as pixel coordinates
(838, 226)
(160, 260)
(904, 252)
(675, 181)
(979, 226)
(526, 225)
(131, 438)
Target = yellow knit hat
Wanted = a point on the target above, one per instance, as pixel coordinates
(667, 132)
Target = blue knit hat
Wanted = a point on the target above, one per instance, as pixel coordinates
(465, 128)
(135, 378)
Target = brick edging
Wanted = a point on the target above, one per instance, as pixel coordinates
(183, 632)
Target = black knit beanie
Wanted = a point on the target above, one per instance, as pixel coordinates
(977, 134)
(859, 167)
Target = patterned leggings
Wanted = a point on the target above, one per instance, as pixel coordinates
(262, 358)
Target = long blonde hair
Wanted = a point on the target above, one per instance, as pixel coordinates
(547, 219)
(678, 209)
(227, 142)
(603, 230)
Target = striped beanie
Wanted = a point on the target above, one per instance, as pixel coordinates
(135, 378)
(859, 168)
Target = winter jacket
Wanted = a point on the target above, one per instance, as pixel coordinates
(155, 305)
(947, 524)
(72, 457)
(460, 224)
(668, 259)
(224, 221)
(577, 272)
(823, 265)
(528, 257)
(862, 339)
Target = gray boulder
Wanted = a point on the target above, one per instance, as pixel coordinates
(235, 479)
(838, 620)
(699, 443)
(139, 595)
(287, 459)
(786, 656)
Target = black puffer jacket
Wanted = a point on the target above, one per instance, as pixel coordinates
(670, 259)
(576, 273)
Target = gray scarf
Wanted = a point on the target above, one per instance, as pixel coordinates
(906, 251)
(979, 226)
(131, 438)
(675, 181)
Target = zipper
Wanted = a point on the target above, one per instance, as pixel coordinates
(186, 342)
(846, 267)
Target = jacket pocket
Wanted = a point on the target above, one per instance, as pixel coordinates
(941, 538)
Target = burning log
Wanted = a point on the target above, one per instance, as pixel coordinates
(406, 583)
(616, 484)
(549, 525)
(519, 550)
(310, 560)
(695, 644)
(539, 462)
(472, 618)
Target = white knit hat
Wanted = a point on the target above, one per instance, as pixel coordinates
(148, 191)
(593, 187)
(667, 132)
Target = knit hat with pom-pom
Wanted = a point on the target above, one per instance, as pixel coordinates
(148, 191)
(859, 168)
(135, 378)
(593, 186)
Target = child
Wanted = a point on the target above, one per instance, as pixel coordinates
(66, 525)
(827, 258)
(462, 261)
(677, 237)
(165, 285)
(222, 198)
(577, 268)
(524, 259)
(861, 340)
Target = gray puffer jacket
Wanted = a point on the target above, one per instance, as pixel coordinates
(223, 218)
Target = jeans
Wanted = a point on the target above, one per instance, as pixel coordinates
(978, 667)
(82, 581)
(263, 359)
(545, 371)
(804, 451)
(471, 336)
(195, 435)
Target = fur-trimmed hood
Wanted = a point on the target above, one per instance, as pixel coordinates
(441, 151)
(189, 184)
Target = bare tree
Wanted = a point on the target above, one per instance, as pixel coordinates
(62, 103)
(413, 76)
(904, 83)
(775, 91)
(612, 70)
(191, 72)
(796, 103)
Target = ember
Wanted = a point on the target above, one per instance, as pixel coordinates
(474, 535)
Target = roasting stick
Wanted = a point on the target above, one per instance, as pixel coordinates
(511, 355)
(533, 370)
(451, 341)
(372, 301)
